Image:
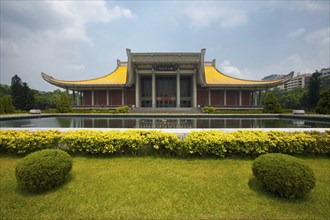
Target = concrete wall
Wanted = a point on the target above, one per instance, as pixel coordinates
(202, 96)
(87, 97)
(130, 96)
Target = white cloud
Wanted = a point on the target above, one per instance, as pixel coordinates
(320, 37)
(229, 69)
(234, 20)
(51, 36)
(202, 16)
(296, 33)
(294, 60)
(59, 20)
(205, 14)
(8, 48)
(83, 12)
(293, 6)
(55, 36)
(311, 5)
(75, 67)
(90, 11)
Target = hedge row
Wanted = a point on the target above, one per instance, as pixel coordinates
(254, 143)
(138, 142)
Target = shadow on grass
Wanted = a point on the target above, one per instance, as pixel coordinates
(257, 186)
(6, 155)
(165, 156)
(27, 193)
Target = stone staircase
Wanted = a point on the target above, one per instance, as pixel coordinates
(166, 110)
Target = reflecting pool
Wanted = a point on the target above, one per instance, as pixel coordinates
(162, 122)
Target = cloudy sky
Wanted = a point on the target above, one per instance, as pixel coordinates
(76, 40)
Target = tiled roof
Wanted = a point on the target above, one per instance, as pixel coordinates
(117, 77)
(216, 78)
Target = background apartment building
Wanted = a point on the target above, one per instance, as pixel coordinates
(302, 79)
(298, 80)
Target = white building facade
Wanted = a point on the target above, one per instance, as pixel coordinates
(300, 80)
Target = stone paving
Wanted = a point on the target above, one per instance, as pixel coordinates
(166, 110)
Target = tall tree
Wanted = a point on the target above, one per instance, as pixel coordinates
(17, 92)
(63, 104)
(23, 96)
(290, 99)
(271, 104)
(45, 100)
(6, 105)
(29, 97)
(323, 106)
(4, 90)
(313, 93)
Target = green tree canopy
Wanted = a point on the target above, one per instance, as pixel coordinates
(293, 99)
(63, 104)
(323, 106)
(6, 105)
(17, 92)
(4, 90)
(271, 104)
(313, 93)
(23, 96)
(45, 100)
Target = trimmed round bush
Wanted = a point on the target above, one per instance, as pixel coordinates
(43, 170)
(284, 175)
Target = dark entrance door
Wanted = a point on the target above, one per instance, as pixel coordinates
(185, 91)
(146, 91)
(166, 91)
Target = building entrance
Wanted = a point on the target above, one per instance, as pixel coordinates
(166, 91)
(146, 91)
(185, 91)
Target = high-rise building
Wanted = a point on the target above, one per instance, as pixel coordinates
(299, 80)
(325, 78)
(272, 77)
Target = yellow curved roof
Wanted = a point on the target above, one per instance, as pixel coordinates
(215, 77)
(117, 77)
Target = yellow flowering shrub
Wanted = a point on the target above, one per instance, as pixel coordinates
(322, 145)
(206, 143)
(23, 142)
(254, 143)
(91, 141)
(250, 143)
(143, 142)
(291, 143)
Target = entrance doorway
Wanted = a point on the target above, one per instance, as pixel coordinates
(146, 91)
(166, 91)
(185, 91)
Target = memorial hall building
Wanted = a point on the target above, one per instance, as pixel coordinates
(158, 80)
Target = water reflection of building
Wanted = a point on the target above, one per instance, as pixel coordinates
(213, 123)
(166, 123)
(166, 80)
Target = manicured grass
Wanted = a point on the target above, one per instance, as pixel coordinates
(161, 188)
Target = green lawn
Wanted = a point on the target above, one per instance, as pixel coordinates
(161, 188)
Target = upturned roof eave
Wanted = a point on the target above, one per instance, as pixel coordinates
(266, 85)
(74, 86)
(240, 86)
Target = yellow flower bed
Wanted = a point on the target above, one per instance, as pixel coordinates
(138, 142)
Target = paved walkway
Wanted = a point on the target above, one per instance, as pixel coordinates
(166, 110)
